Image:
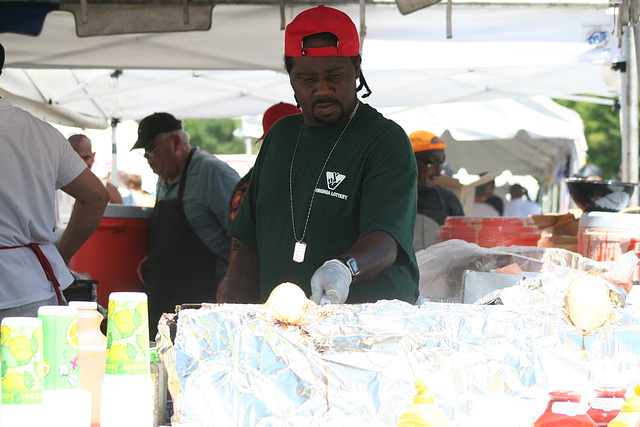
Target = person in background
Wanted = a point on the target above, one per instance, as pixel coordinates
(481, 208)
(590, 172)
(35, 161)
(124, 190)
(331, 205)
(520, 205)
(435, 203)
(188, 243)
(493, 199)
(140, 197)
(272, 115)
(82, 145)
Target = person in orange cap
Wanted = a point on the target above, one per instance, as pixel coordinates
(435, 203)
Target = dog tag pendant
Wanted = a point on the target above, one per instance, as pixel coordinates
(299, 251)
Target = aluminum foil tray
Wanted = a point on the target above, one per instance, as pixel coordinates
(355, 365)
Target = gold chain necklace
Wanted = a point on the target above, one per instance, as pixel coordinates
(300, 247)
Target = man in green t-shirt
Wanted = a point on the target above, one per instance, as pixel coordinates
(331, 205)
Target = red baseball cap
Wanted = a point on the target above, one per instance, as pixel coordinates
(275, 113)
(321, 19)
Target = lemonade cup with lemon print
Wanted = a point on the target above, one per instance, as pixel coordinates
(127, 333)
(21, 348)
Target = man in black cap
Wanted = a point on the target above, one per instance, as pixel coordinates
(35, 161)
(188, 243)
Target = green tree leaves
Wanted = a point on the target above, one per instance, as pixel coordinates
(215, 135)
(602, 131)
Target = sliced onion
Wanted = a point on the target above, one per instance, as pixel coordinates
(587, 302)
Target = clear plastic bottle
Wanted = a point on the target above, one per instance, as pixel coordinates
(423, 412)
(606, 405)
(159, 377)
(629, 415)
(93, 353)
(565, 410)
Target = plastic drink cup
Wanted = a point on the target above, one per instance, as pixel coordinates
(21, 347)
(128, 334)
(127, 388)
(60, 332)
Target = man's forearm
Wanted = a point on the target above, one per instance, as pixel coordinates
(244, 284)
(84, 220)
(91, 200)
(374, 252)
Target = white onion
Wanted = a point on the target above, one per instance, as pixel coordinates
(288, 303)
(587, 302)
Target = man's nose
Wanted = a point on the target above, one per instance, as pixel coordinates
(324, 87)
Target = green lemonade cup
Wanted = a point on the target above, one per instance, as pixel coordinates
(128, 334)
(21, 348)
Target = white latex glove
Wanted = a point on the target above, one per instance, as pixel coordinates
(332, 281)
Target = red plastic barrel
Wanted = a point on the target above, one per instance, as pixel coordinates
(112, 254)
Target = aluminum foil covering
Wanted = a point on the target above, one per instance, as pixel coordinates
(442, 266)
(355, 365)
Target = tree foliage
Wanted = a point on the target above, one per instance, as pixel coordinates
(215, 135)
(602, 132)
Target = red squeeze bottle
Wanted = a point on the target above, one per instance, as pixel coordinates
(565, 410)
(606, 405)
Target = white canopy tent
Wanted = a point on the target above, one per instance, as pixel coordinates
(497, 51)
(528, 137)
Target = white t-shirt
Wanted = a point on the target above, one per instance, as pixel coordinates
(35, 160)
(484, 210)
(521, 208)
(64, 207)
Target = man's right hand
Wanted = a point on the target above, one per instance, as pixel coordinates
(332, 281)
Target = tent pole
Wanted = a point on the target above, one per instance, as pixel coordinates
(629, 115)
(632, 149)
(114, 152)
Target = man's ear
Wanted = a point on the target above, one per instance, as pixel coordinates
(175, 138)
(358, 64)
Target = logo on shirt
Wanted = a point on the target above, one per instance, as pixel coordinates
(333, 180)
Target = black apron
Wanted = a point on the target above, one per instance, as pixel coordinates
(180, 268)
